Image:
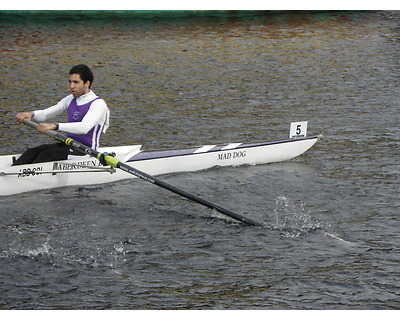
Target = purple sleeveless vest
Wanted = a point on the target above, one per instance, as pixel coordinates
(76, 114)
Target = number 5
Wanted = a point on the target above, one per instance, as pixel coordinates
(298, 130)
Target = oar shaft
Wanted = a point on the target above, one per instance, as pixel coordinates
(183, 193)
(115, 163)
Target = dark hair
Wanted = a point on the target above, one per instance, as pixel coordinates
(84, 72)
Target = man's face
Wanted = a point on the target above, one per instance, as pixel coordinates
(77, 86)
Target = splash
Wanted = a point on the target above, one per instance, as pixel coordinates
(292, 218)
(42, 250)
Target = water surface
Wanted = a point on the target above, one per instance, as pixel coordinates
(331, 239)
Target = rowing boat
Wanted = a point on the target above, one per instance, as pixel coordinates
(86, 170)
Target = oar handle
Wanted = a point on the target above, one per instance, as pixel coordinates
(30, 123)
(33, 124)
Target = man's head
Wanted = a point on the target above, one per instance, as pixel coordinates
(80, 80)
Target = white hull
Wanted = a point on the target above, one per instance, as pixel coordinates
(24, 178)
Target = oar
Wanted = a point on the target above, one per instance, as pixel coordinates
(115, 163)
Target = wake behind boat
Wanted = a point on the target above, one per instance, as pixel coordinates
(86, 170)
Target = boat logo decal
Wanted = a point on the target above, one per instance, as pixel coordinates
(26, 172)
(231, 155)
(74, 165)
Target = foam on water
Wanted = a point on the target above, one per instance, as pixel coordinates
(292, 218)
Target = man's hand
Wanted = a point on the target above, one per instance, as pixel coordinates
(24, 115)
(42, 127)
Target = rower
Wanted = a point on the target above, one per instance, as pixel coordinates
(88, 119)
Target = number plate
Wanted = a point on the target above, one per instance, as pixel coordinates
(298, 129)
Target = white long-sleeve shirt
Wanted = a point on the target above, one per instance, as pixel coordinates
(97, 114)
